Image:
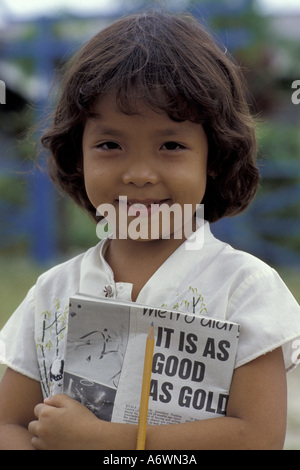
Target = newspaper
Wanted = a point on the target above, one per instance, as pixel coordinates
(193, 363)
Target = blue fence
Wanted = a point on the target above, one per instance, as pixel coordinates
(261, 230)
(34, 221)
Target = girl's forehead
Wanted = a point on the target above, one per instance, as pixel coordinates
(136, 105)
(134, 101)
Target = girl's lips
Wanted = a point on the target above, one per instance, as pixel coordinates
(141, 208)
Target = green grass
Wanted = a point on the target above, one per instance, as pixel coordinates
(292, 280)
(17, 275)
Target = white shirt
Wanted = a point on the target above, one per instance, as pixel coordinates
(216, 281)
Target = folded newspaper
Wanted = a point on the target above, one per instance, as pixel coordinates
(193, 363)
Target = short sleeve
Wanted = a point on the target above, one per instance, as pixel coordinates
(17, 342)
(269, 317)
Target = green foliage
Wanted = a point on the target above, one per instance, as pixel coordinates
(12, 190)
(279, 141)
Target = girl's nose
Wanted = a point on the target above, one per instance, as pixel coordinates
(140, 171)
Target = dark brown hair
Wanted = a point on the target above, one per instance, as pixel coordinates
(173, 64)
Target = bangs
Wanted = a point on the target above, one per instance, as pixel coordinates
(152, 84)
(159, 98)
(147, 66)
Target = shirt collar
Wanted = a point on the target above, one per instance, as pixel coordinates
(97, 277)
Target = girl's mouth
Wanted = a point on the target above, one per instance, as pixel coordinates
(142, 208)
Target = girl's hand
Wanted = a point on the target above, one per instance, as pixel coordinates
(64, 424)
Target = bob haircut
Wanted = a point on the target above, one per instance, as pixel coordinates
(172, 64)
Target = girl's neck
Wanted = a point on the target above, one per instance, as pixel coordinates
(136, 261)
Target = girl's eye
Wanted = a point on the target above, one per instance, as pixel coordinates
(108, 146)
(172, 146)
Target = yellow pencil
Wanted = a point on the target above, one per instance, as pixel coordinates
(142, 428)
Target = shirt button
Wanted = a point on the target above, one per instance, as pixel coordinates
(109, 290)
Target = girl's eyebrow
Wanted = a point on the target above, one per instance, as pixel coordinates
(99, 129)
(169, 132)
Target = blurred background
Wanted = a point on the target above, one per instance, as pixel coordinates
(39, 228)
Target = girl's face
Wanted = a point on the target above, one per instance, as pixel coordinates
(146, 157)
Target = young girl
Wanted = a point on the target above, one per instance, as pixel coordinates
(153, 110)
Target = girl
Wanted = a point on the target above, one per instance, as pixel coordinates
(153, 110)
